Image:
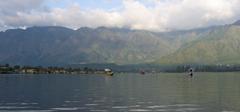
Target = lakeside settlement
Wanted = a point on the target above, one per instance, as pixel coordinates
(7, 69)
(100, 69)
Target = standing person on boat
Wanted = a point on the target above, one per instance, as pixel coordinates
(191, 72)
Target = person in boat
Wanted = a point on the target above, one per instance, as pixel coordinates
(191, 72)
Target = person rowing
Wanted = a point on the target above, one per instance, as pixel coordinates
(191, 72)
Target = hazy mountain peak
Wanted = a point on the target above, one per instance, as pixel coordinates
(237, 22)
(85, 28)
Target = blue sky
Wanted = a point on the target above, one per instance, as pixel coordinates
(153, 15)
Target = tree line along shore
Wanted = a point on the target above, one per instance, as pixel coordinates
(17, 69)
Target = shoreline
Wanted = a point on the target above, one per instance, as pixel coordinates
(16, 69)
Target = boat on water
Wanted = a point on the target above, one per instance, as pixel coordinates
(108, 72)
(142, 72)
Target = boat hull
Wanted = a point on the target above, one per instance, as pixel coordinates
(109, 73)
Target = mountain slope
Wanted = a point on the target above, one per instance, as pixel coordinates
(220, 46)
(58, 45)
(61, 46)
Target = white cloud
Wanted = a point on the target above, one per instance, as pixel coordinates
(19, 5)
(155, 15)
(75, 17)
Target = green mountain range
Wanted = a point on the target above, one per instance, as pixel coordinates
(59, 45)
(219, 46)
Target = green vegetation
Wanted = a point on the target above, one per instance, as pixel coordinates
(99, 69)
(6, 69)
(58, 46)
(221, 46)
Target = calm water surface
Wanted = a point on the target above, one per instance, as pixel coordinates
(205, 92)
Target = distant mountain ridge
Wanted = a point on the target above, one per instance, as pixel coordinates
(60, 46)
(220, 46)
(237, 22)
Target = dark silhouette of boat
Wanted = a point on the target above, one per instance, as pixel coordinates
(142, 72)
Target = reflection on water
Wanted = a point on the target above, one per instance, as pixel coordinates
(206, 92)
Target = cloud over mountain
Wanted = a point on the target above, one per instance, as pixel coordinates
(154, 15)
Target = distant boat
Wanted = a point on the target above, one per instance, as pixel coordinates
(142, 72)
(108, 72)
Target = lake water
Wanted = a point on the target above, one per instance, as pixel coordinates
(164, 92)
